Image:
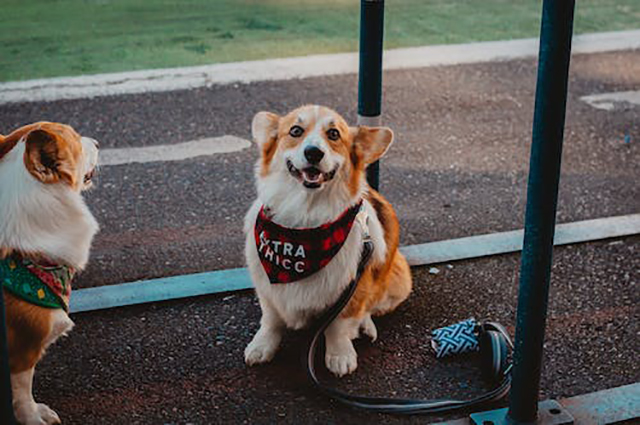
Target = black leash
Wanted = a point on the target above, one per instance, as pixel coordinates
(392, 405)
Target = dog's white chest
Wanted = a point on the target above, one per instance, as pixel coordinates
(298, 301)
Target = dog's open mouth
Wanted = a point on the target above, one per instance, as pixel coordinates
(311, 177)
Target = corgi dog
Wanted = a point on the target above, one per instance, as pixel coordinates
(46, 231)
(303, 241)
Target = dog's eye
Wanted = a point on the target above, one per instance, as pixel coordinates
(333, 134)
(296, 131)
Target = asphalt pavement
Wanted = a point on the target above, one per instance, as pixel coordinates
(458, 168)
(181, 361)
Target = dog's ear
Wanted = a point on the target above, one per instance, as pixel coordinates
(264, 128)
(44, 159)
(371, 143)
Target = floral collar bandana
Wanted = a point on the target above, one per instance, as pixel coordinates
(289, 254)
(43, 284)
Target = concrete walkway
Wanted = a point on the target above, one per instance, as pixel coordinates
(163, 80)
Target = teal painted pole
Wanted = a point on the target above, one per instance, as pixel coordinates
(6, 399)
(370, 72)
(542, 195)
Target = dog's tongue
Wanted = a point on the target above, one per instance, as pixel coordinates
(312, 174)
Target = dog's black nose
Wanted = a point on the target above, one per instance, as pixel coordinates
(313, 154)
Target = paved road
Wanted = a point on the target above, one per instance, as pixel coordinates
(458, 168)
(181, 362)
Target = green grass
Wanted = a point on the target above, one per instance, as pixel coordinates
(46, 38)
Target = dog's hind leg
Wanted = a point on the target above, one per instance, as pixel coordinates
(266, 341)
(398, 288)
(368, 328)
(31, 329)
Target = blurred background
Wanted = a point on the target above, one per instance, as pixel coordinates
(49, 38)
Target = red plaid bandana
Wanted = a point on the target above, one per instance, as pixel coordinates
(288, 255)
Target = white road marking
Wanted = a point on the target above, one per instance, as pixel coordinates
(608, 101)
(162, 80)
(177, 152)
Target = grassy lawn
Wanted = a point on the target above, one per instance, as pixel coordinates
(45, 38)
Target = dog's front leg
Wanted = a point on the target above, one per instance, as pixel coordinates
(266, 341)
(340, 357)
(27, 411)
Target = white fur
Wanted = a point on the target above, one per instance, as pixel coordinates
(293, 305)
(340, 356)
(27, 411)
(315, 138)
(296, 302)
(61, 325)
(90, 153)
(50, 219)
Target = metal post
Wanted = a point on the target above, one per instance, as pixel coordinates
(370, 73)
(6, 403)
(542, 195)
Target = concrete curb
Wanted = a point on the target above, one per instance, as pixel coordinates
(163, 80)
(175, 287)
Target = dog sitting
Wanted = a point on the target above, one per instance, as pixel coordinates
(303, 241)
(46, 231)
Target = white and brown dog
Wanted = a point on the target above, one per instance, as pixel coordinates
(46, 231)
(303, 241)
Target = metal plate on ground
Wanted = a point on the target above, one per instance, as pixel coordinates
(550, 412)
(610, 406)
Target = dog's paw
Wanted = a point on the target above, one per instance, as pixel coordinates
(36, 414)
(369, 328)
(342, 364)
(47, 415)
(261, 349)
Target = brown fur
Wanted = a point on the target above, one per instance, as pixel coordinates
(268, 150)
(6, 144)
(28, 328)
(270, 146)
(383, 287)
(51, 153)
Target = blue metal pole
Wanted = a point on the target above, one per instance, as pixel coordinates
(6, 403)
(542, 195)
(370, 72)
